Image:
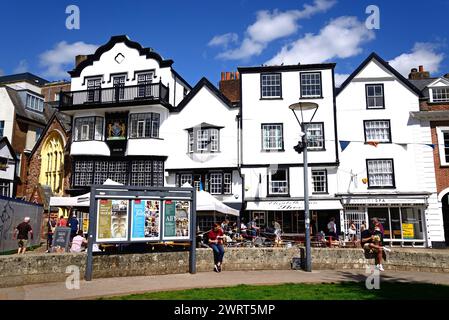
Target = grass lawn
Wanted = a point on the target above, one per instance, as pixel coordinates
(332, 291)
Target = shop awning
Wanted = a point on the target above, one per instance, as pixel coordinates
(293, 205)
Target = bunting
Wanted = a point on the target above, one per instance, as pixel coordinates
(344, 145)
(431, 145)
(373, 143)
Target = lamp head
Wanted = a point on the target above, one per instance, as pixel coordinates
(304, 106)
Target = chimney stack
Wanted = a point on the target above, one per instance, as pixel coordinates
(418, 75)
(230, 86)
(79, 58)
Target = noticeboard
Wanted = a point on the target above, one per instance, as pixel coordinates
(112, 220)
(176, 220)
(145, 220)
(61, 239)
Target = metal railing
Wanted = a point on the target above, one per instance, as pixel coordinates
(123, 94)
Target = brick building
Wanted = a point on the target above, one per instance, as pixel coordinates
(434, 107)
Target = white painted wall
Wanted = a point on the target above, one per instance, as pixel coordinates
(413, 165)
(6, 113)
(257, 112)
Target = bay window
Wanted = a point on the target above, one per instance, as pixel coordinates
(88, 128)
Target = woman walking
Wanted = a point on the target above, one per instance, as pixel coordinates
(216, 243)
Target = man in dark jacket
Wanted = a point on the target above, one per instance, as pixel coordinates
(21, 232)
(73, 224)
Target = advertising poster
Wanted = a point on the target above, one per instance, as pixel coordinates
(112, 220)
(176, 220)
(408, 231)
(145, 220)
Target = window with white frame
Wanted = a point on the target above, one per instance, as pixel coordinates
(88, 128)
(203, 140)
(319, 180)
(278, 181)
(380, 173)
(315, 136)
(227, 183)
(375, 96)
(443, 145)
(216, 183)
(34, 103)
(5, 188)
(185, 178)
(377, 130)
(271, 85)
(272, 137)
(440, 94)
(144, 125)
(311, 85)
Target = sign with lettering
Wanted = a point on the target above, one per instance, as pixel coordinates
(176, 220)
(145, 217)
(408, 231)
(112, 219)
(386, 201)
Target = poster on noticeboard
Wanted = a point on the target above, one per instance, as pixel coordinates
(145, 220)
(112, 220)
(176, 220)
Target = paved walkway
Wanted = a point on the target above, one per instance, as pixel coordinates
(127, 285)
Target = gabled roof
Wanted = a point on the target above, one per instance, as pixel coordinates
(386, 65)
(24, 113)
(148, 52)
(202, 83)
(8, 145)
(61, 118)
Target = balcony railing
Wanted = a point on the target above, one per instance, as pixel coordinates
(140, 93)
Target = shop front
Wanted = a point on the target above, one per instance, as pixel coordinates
(402, 217)
(290, 214)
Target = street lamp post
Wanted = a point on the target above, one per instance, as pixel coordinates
(302, 148)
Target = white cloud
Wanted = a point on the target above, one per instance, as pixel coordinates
(224, 40)
(341, 38)
(270, 26)
(21, 67)
(422, 54)
(61, 58)
(340, 78)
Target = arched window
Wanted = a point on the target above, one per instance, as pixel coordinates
(52, 162)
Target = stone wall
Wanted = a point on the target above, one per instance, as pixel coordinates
(20, 270)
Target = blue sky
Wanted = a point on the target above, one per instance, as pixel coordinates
(207, 37)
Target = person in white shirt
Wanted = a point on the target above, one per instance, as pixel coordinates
(77, 242)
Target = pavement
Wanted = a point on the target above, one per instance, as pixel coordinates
(127, 285)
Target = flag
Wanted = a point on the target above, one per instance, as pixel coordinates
(344, 144)
(373, 143)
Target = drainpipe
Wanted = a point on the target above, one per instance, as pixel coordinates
(239, 167)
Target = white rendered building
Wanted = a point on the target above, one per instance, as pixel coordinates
(386, 160)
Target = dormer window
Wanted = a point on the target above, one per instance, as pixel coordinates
(440, 94)
(35, 103)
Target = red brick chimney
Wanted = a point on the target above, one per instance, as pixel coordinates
(417, 75)
(230, 85)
